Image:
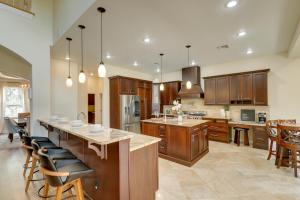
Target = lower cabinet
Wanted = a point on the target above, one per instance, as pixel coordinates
(218, 130)
(260, 137)
(184, 145)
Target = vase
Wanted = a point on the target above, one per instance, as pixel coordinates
(180, 118)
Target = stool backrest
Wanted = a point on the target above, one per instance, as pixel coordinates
(48, 164)
(286, 133)
(27, 142)
(272, 128)
(35, 146)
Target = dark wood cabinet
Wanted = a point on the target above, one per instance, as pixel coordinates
(218, 130)
(260, 137)
(260, 88)
(169, 94)
(248, 88)
(128, 86)
(210, 91)
(184, 145)
(119, 85)
(222, 91)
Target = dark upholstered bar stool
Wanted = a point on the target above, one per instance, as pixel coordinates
(55, 153)
(63, 174)
(237, 136)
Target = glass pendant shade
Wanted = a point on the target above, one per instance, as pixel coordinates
(69, 82)
(101, 70)
(81, 77)
(188, 85)
(161, 87)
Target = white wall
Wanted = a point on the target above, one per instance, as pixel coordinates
(67, 12)
(31, 39)
(63, 99)
(283, 81)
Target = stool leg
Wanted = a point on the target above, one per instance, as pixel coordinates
(270, 150)
(235, 136)
(294, 157)
(58, 193)
(238, 138)
(246, 138)
(46, 189)
(29, 178)
(280, 157)
(26, 164)
(78, 188)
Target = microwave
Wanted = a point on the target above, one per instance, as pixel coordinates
(248, 115)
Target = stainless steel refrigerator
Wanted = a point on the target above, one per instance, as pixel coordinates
(130, 113)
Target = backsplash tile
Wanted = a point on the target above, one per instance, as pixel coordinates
(235, 111)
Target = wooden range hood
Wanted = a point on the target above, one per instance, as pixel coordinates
(191, 74)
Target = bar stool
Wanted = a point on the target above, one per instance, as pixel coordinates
(63, 175)
(237, 136)
(55, 153)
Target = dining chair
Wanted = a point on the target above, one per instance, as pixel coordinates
(289, 138)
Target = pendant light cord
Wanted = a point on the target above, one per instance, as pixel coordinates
(81, 51)
(69, 47)
(161, 67)
(188, 57)
(101, 37)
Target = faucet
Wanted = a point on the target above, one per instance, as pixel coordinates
(81, 114)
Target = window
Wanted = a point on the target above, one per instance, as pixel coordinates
(13, 101)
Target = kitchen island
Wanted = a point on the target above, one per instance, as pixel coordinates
(125, 163)
(183, 142)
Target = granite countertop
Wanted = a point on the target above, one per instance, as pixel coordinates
(247, 123)
(216, 117)
(185, 123)
(106, 136)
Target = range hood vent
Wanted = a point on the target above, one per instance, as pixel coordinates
(191, 74)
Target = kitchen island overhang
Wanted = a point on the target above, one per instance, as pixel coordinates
(126, 163)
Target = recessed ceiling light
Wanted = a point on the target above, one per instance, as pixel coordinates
(231, 4)
(193, 62)
(157, 70)
(249, 51)
(147, 40)
(108, 56)
(67, 58)
(135, 64)
(242, 33)
(91, 74)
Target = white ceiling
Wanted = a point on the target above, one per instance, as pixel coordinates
(171, 24)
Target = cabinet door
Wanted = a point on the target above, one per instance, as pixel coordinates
(195, 144)
(174, 88)
(246, 87)
(178, 142)
(141, 92)
(234, 88)
(210, 91)
(260, 88)
(260, 138)
(222, 90)
(128, 86)
(150, 129)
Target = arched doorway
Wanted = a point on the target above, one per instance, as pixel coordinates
(15, 92)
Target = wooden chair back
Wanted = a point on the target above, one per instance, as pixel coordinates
(288, 136)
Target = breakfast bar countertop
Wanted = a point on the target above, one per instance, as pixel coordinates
(175, 122)
(106, 136)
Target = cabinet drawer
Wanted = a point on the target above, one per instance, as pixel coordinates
(162, 146)
(218, 136)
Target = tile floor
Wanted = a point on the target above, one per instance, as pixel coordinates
(227, 172)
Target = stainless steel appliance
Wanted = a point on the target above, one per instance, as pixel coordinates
(262, 117)
(130, 113)
(247, 115)
(195, 114)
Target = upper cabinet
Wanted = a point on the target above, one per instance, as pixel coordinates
(216, 91)
(260, 88)
(128, 86)
(170, 93)
(210, 91)
(248, 88)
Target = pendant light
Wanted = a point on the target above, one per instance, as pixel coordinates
(188, 83)
(101, 67)
(161, 86)
(81, 77)
(69, 81)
